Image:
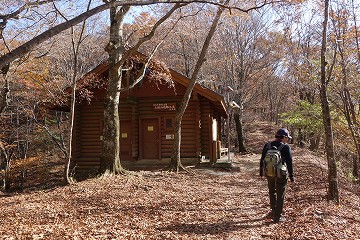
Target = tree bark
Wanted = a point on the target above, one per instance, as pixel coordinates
(5, 91)
(175, 162)
(110, 156)
(349, 110)
(348, 107)
(75, 47)
(333, 192)
(240, 132)
(239, 112)
(355, 167)
(356, 30)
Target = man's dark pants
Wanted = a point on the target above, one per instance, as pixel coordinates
(277, 189)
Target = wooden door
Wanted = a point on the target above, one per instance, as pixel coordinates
(150, 138)
(125, 140)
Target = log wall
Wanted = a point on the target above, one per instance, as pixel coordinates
(89, 127)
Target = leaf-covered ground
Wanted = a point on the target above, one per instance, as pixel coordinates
(209, 204)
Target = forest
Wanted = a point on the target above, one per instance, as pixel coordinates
(285, 63)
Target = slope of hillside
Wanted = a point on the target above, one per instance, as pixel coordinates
(211, 204)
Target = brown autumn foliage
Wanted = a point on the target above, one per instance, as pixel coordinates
(211, 203)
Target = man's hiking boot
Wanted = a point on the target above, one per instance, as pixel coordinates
(279, 219)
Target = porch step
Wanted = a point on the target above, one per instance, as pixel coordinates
(222, 163)
(227, 166)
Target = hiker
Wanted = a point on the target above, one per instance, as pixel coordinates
(277, 175)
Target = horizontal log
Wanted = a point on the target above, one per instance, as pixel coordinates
(89, 154)
(91, 147)
(87, 160)
(91, 113)
(90, 139)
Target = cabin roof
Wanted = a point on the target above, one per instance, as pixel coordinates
(216, 99)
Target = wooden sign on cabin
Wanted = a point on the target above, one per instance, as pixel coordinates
(164, 106)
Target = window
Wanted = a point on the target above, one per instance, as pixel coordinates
(169, 123)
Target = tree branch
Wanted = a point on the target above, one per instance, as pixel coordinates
(149, 35)
(143, 70)
(219, 4)
(28, 46)
(15, 14)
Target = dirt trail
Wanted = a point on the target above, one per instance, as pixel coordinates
(162, 205)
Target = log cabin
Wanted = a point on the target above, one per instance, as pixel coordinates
(147, 113)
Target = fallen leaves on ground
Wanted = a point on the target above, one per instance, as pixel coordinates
(212, 203)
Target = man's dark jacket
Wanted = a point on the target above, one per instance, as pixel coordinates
(286, 156)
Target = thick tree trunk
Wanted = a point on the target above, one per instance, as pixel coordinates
(175, 162)
(240, 132)
(333, 192)
(110, 156)
(238, 114)
(329, 147)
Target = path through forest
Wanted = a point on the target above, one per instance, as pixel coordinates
(211, 204)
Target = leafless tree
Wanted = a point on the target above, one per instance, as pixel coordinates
(333, 192)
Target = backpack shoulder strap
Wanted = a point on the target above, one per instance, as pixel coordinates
(281, 146)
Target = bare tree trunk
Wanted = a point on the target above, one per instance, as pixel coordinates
(348, 107)
(333, 192)
(7, 152)
(5, 95)
(5, 91)
(239, 112)
(175, 162)
(314, 141)
(356, 30)
(75, 47)
(240, 132)
(355, 171)
(301, 139)
(68, 178)
(110, 156)
(272, 103)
